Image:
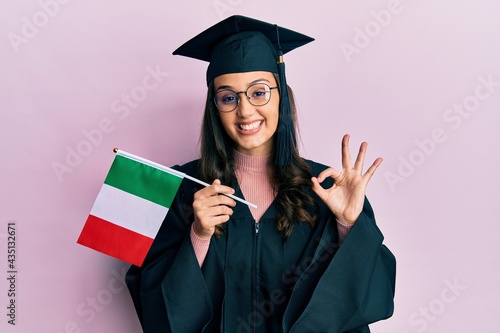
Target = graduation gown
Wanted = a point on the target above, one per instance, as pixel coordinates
(252, 280)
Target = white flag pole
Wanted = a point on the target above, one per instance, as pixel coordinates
(174, 172)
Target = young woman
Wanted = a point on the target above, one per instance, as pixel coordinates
(309, 258)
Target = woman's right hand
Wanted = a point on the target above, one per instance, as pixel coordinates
(211, 209)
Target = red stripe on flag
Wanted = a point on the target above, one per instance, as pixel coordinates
(115, 240)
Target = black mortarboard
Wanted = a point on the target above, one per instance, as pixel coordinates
(241, 44)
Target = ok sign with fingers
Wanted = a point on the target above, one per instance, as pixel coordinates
(346, 197)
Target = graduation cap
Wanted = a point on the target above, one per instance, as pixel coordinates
(241, 44)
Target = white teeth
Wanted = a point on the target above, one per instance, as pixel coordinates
(251, 126)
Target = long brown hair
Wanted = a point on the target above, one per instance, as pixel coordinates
(292, 183)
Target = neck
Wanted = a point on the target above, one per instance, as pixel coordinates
(255, 184)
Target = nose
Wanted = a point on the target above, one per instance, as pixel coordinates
(244, 109)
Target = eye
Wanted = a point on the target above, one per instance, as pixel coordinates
(226, 97)
(259, 92)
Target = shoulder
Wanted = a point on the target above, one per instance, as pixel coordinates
(316, 168)
(188, 187)
(191, 168)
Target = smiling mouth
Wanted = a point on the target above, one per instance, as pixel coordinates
(249, 127)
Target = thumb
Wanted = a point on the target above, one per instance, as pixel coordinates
(317, 188)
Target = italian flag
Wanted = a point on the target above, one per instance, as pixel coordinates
(130, 208)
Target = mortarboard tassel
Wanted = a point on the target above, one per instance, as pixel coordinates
(285, 140)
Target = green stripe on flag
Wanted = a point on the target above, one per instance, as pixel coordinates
(143, 181)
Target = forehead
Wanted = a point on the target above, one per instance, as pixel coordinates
(243, 80)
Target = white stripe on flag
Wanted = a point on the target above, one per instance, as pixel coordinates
(129, 211)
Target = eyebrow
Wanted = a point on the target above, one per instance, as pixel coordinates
(253, 82)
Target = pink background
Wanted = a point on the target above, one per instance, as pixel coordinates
(393, 73)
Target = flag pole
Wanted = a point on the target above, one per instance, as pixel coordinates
(175, 172)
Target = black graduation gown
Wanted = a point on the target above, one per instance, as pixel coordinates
(254, 281)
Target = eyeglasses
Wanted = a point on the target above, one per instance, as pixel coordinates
(258, 94)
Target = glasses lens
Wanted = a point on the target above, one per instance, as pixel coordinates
(259, 94)
(226, 100)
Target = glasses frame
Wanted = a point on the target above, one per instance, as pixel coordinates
(214, 99)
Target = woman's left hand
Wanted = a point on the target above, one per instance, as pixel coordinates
(346, 197)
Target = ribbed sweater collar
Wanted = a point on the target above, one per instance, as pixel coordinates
(254, 164)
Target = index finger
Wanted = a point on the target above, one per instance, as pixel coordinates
(215, 189)
(330, 172)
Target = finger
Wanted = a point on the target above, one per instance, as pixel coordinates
(206, 217)
(220, 219)
(213, 211)
(220, 210)
(371, 170)
(206, 224)
(221, 189)
(218, 200)
(346, 155)
(204, 204)
(360, 159)
(316, 184)
(214, 189)
(317, 188)
(330, 172)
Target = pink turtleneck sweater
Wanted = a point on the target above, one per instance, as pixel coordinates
(255, 185)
